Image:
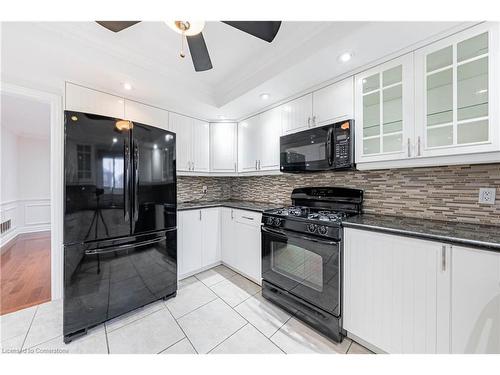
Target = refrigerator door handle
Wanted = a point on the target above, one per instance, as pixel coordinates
(126, 181)
(136, 181)
(111, 249)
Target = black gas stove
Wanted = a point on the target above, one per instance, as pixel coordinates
(319, 221)
(319, 211)
(301, 254)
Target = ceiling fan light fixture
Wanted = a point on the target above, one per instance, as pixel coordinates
(188, 28)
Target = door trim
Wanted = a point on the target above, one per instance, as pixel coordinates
(56, 178)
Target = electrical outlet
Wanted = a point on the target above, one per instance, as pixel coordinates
(205, 189)
(487, 195)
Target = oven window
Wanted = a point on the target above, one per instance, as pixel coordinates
(297, 263)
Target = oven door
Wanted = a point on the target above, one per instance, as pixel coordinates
(309, 150)
(307, 267)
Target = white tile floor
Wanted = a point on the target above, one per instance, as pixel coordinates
(216, 311)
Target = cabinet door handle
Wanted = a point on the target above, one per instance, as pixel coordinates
(443, 258)
(259, 165)
(308, 122)
(200, 214)
(409, 148)
(192, 163)
(247, 217)
(232, 214)
(314, 121)
(255, 164)
(418, 146)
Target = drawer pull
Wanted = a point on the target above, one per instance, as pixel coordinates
(247, 217)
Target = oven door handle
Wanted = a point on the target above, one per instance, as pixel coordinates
(287, 234)
(275, 232)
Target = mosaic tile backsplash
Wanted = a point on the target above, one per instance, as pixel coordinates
(441, 193)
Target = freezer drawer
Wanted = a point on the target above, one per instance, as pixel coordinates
(103, 282)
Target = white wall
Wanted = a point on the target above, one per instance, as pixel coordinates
(25, 186)
(33, 173)
(8, 156)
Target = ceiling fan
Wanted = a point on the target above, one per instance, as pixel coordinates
(265, 30)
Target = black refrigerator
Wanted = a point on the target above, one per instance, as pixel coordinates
(120, 230)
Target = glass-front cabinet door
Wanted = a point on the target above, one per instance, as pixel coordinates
(456, 97)
(384, 111)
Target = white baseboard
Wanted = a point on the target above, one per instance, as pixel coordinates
(189, 274)
(11, 235)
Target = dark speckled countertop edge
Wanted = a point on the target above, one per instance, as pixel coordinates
(447, 229)
(242, 205)
(464, 234)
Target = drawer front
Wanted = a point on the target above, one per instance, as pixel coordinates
(248, 217)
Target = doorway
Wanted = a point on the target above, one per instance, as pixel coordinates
(25, 202)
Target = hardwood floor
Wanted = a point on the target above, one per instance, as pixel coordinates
(25, 272)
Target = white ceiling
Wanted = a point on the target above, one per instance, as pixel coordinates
(303, 55)
(25, 117)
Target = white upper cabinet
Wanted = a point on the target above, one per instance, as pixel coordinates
(270, 133)
(182, 127)
(334, 103)
(223, 147)
(457, 94)
(146, 114)
(297, 114)
(192, 142)
(83, 99)
(201, 146)
(248, 144)
(475, 301)
(384, 124)
(259, 142)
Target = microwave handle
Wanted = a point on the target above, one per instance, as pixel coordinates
(329, 149)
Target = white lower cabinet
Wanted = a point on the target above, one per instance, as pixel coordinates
(210, 236)
(405, 295)
(228, 237)
(241, 242)
(475, 301)
(198, 240)
(248, 244)
(395, 292)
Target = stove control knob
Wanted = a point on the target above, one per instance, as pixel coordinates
(269, 221)
(311, 228)
(277, 221)
(323, 230)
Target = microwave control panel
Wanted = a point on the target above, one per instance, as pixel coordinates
(342, 145)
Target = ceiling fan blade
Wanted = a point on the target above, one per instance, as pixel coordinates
(265, 30)
(199, 52)
(116, 26)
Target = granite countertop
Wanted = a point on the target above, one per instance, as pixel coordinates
(243, 205)
(475, 235)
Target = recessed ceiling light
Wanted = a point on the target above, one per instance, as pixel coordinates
(74, 118)
(115, 140)
(155, 146)
(265, 96)
(345, 57)
(127, 86)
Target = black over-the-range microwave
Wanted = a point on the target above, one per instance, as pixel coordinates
(329, 147)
